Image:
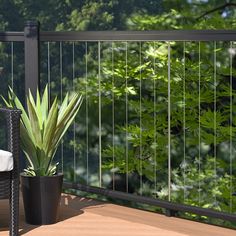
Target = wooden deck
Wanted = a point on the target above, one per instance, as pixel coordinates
(86, 217)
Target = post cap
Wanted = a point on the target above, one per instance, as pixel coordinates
(31, 23)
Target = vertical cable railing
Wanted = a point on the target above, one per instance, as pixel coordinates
(126, 118)
(230, 125)
(86, 113)
(140, 119)
(132, 147)
(61, 97)
(49, 72)
(12, 65)
(169, 125)
(215, 131)
(199, 124)
(184, 121)
(99, 114)
(137, 94)
(74, 123)
(154, 121)
(113, 117)
(11, 68)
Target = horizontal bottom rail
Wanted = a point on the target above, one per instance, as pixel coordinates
(169, 206)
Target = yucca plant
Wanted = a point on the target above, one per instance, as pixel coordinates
(42, 127)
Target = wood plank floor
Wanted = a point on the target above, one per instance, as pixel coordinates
(86, 217)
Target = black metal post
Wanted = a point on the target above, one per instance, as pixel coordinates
(31, 33)
(170, 212)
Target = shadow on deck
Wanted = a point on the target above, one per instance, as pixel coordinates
(87, 217)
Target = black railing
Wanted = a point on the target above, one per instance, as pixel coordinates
(32, 37)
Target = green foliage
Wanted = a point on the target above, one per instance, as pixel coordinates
(143, 141)
(147, 141)
(42, 128)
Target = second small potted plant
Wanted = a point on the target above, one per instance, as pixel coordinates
(41, 129)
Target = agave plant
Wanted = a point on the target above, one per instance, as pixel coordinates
(42, 128)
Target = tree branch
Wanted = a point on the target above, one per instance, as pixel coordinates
(216, 9)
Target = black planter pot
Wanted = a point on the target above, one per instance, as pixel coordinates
(41, 197)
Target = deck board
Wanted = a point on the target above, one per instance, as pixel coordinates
(86, 217)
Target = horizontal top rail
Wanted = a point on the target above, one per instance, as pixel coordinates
(12, 36)
(94, 36)
(167, 35)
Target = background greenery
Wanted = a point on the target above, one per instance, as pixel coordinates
(136, 64)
